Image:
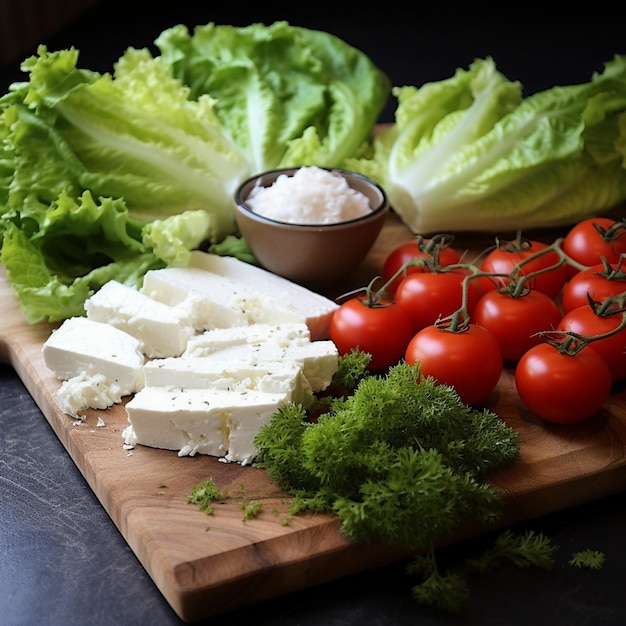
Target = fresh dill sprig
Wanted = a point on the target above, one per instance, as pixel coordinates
(250, 509)
(529, 549)
(447, 592)
(351, 369)
(591, 559)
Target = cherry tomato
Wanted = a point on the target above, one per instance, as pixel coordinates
(508, 256)
(418, 248)
(584, 321)
(593, 281)
(593, 239)
(426, 297)
(469, 360)
(383, 330)
(562, 388)
(515, 320)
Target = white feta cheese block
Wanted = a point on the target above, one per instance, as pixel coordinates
(218, 338)
(82, 347)
(318, 360)
(283, 300)
(181, 288)
(201, 421)
(99, 364)
(230, 375)
(157, 326)
(234, 303)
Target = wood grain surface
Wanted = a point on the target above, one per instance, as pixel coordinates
(208, 565)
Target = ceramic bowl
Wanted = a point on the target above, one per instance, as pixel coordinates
(311, 254)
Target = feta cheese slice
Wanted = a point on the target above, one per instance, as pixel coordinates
(228, 302)
(319, 360)
(82, 346)
(157, 326)
(98, 363)
(182, 288)
(218, 338)
(234, 375)
(282, 299)
(201, 421)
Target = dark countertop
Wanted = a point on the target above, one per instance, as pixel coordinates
(62, 561)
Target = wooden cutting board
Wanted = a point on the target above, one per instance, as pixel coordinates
(208, 565)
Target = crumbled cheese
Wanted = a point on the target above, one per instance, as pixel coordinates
(88, 392)
(312, 195)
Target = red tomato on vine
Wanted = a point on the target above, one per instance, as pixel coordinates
(515, 320)
(469, 360)
(527, 255)
(593, 239)
(380, 328)
(435, 251)
(585, 321)
(560, 387)
(597, 282)
(429, 296)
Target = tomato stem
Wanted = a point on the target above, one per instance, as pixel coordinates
(571, 343)
(374, 297)
(614, 232)
(430, 263)
(612, 305)
(614, 273)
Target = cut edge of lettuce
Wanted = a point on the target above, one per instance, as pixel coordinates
(470, 153)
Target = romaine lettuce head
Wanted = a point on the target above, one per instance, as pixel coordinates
(288, 95)
(135, 135)
(89, 163)
(471, 154)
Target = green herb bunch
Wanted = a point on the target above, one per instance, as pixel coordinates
(401, 461)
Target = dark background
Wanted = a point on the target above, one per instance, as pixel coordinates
(538, 46)
(62, 561)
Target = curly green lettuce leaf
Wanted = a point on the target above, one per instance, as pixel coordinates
(57, 255)
(288, 95)
(135, 135)
(471, 154)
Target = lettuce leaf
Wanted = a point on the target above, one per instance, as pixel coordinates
(79, 245)
(471, 154)
(135, 135)
(288, 95)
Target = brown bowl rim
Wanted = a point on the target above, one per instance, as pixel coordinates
(375, 212)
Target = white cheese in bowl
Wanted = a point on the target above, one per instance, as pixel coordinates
(312, 195)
